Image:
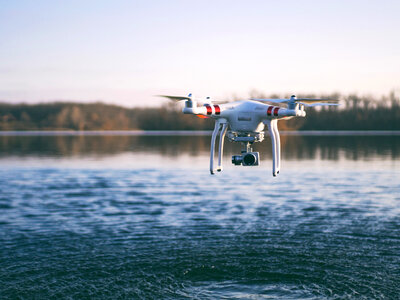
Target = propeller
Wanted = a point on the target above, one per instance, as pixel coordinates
(177, 98)
(304, 101)
(191, 102)
(190, 97)
(318, 104)
(271, 100)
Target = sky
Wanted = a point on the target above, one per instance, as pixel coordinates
(125, 52)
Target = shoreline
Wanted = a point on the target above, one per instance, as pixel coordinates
(192, 133)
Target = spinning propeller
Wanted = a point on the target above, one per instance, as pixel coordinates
(178, 98)
(303, 101)
(191, 98)
(190, 102)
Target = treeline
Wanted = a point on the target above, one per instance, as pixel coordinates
(95, 116)
(354, 113)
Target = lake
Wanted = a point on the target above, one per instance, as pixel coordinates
(116, 215)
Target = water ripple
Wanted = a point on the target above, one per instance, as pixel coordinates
(163, 234)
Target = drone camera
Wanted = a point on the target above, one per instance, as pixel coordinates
(247, 159)
(250, 159)
(237, 160)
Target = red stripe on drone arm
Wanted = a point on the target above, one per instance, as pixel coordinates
(217, 109)
(276, 111)
(269, 111)
(209, 109)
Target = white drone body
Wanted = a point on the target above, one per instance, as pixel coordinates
(244, 121)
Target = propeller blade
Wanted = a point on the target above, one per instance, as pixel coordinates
(271, 100)
(308, 100)
(298, 100)
(175, 98)
(208, 100)
(318, 104)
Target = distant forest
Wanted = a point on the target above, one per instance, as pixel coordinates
(354, 113)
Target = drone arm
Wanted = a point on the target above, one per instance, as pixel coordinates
(195, 110)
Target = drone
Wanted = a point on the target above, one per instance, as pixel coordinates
(244, 122)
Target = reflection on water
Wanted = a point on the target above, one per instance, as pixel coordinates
(293, 147)
(158, 231)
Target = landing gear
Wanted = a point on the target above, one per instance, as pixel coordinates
(221, 125)
(247, 157)
(276, 146)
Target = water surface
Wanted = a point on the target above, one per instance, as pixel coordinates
(140, 217)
